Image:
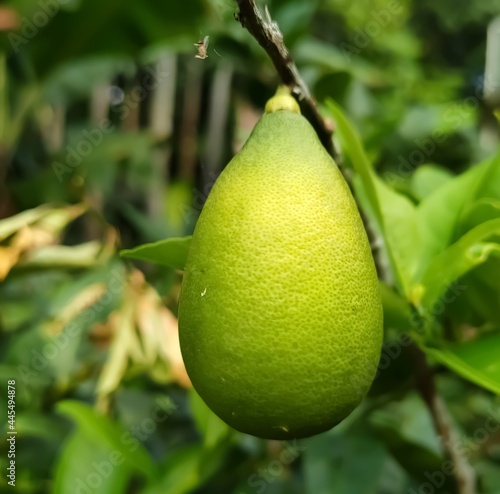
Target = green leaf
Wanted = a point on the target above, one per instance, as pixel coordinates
(337, 463)
(87, 466)
(170, 252)
(490, 186)
(427, 179)
(311, 51)
(180, 472)
(14, 315)
(406, 430)
(394, 214)
(187, 468)
(483, 291)
(107, 434)
(439, 213)
(468, 252)
(476, 361)
(37, 425)
(211, 427)
(402, 233)
(351, 142)
(410, 418)
(397, 311)
(153, 22)
(488, 470)
(478, 212)
(76, 79)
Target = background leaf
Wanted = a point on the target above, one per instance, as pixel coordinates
(210, 426)
(107, 434)
(86, 464)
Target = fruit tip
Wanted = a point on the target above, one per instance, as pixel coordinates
(282, 100)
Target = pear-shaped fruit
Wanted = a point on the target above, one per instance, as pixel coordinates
(280, 318)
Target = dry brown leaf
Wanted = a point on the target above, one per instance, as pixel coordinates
(25, 240)
(8, 259)
(148, 324)
(9, 256)
(9, 20)
(171, 348)
(56, 220)
(137, 280)
(87, 297)
(101, 333)
(30, 238)
(159, 332)
(116, 364)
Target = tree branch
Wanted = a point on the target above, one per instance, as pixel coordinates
(268, 35)
(464, 474)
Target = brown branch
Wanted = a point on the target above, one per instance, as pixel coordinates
(268, 35)
(464, 474)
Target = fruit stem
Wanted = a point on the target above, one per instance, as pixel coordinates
(267, 33)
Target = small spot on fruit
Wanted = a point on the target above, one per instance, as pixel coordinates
(203, 292)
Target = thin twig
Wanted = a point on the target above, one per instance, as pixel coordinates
(268, 35)
(464, 474)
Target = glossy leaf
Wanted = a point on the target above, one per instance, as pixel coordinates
(478, 212)
(402, 231)
(490, 187)
(468, 252)
(170, 252)
(353, 146)
(394, 214)
(476, 361)
(439, 213)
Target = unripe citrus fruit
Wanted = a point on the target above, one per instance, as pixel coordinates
(280, 317)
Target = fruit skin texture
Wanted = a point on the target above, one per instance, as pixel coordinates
(280, 318)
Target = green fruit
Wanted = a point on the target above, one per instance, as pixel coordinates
(280, 318)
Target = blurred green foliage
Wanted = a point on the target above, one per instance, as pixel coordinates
(111, 135)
